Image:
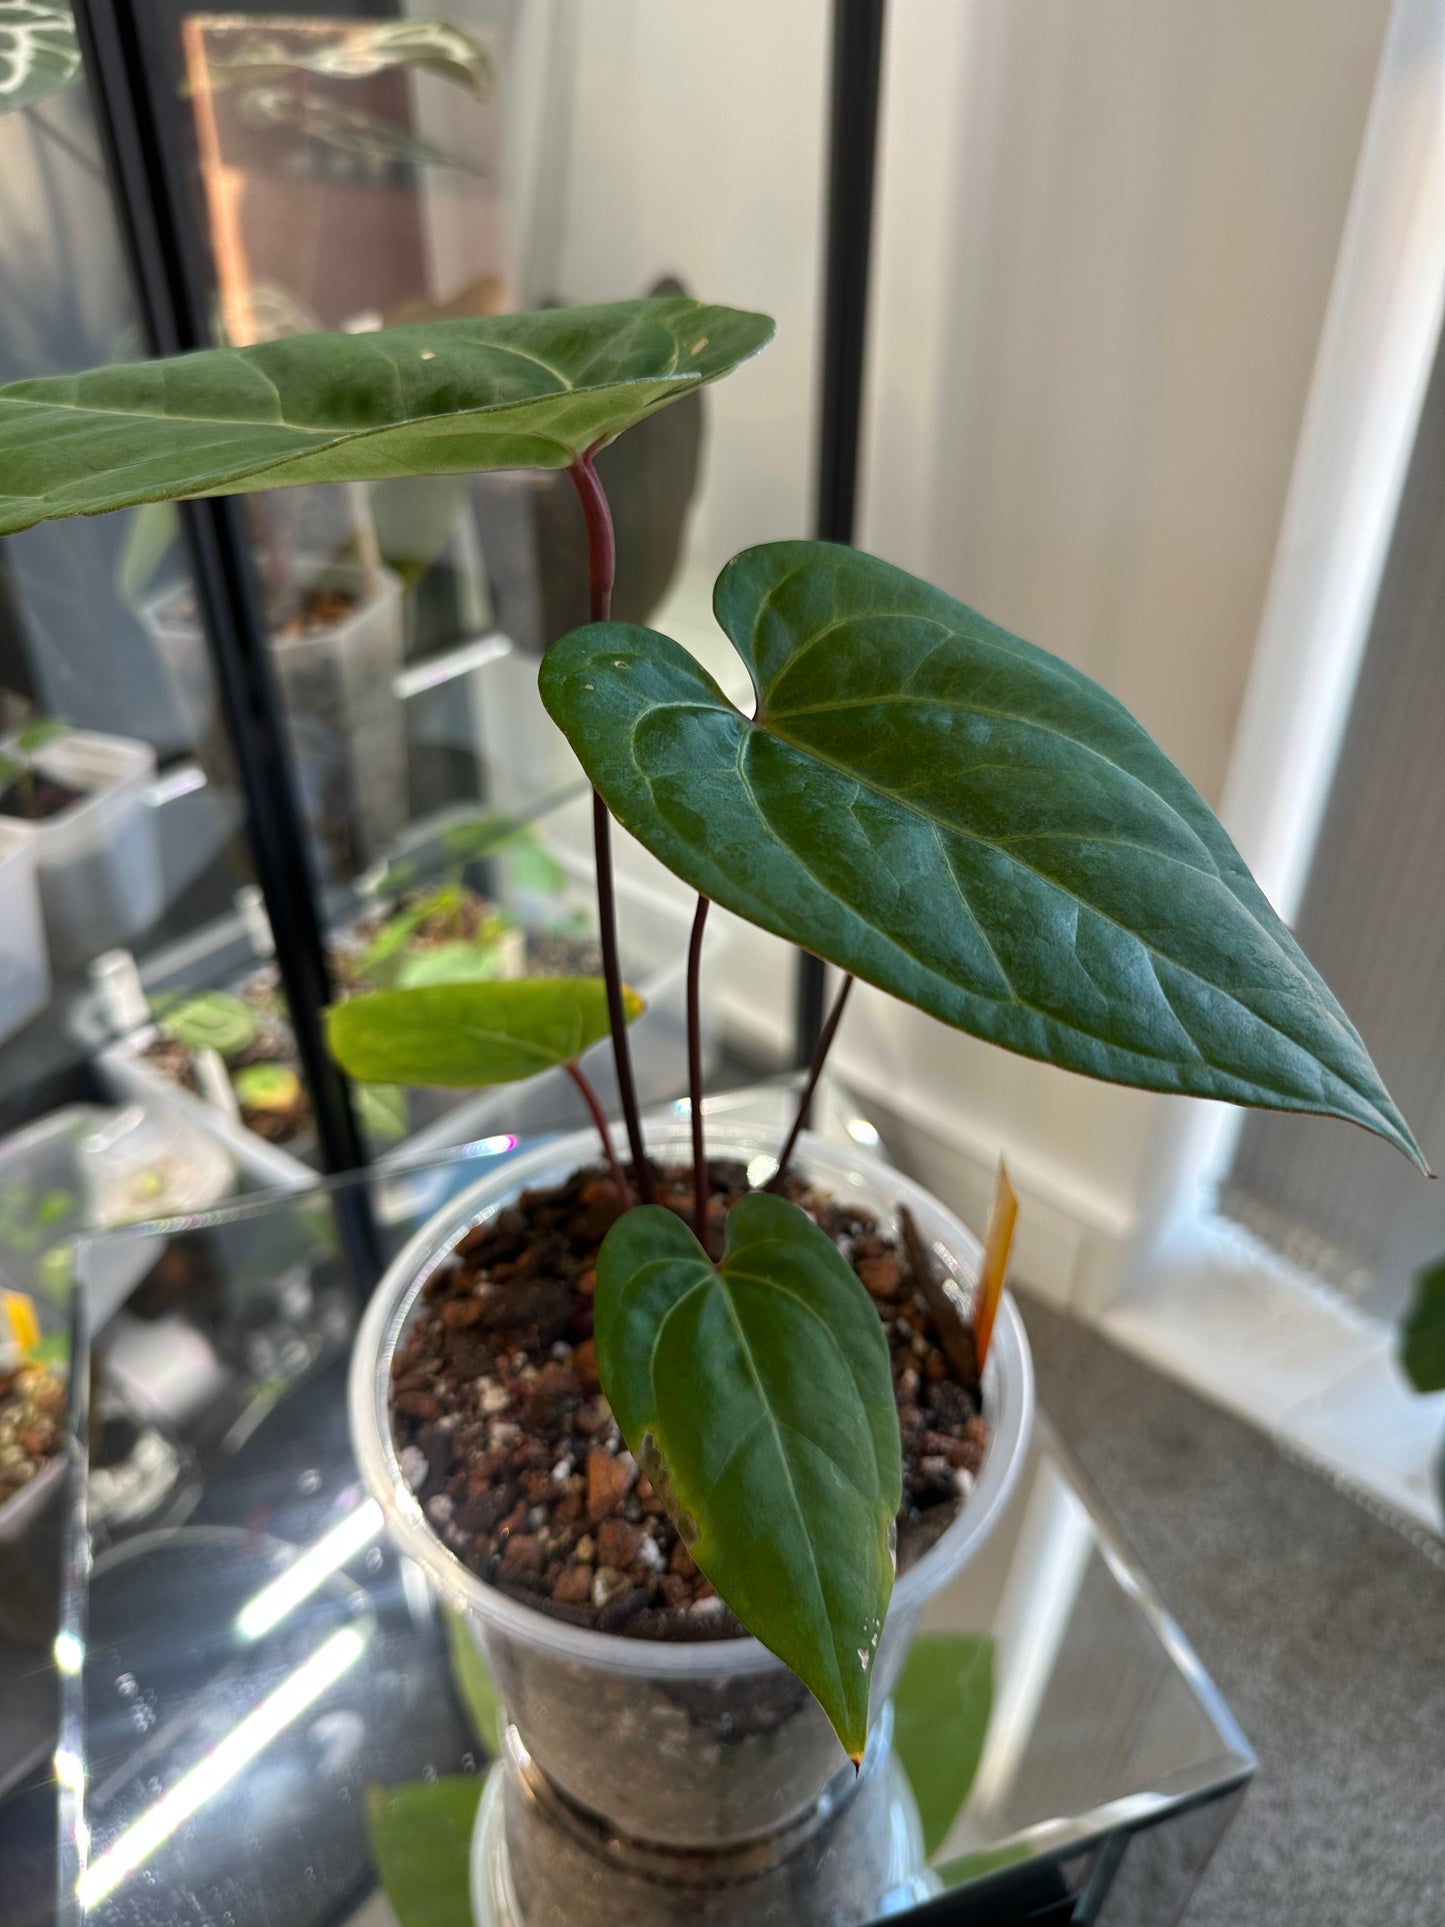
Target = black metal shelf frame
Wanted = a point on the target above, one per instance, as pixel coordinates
(129, 69)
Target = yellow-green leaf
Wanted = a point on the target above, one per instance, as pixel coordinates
(466, 1035)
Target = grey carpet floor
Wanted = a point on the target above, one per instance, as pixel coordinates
(1323, 1626)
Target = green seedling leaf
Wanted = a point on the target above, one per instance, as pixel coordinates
(57, 1207)
(421, 1839)
(268, 1087)
(214, 1020)
(1422, 1337)
(468, 1035)
(475, 1686)
(39, 52)
(434, 397)
(757, 1397)
(459, 962)
(941, 1709)
(382, 1110)
(533, 869)
(41, 733)
(966, 822)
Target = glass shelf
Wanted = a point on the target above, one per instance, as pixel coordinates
(245, 1661)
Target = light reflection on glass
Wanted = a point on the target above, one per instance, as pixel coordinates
(220, 1766)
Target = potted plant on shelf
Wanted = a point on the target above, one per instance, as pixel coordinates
(81, 798)
(624, 1412)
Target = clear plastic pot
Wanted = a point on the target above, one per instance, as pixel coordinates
(24, 962)
(98, 863)
(699, 1746)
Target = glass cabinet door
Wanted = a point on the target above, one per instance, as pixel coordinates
(350, 168)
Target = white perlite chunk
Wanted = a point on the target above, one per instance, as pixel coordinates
(413, 1466)
(494, 1397)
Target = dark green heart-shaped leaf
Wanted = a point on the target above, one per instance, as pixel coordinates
(965, 821)
(1422, 1337)
(467, 1035)
(38, 51)
(941, 1709)
(757, 1397)
(431, 398)
(421, 1841)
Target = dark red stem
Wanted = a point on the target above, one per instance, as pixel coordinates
(599, 1118)
(601, 566)
(825, 1044)
(694, 1074)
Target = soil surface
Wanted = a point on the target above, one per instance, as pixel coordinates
(32, 1423)
(38, 798)
(504, 1434)
(321, 609)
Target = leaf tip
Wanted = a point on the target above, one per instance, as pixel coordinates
(632, 1005)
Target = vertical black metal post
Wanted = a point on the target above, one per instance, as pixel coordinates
(854, 89)
(127, 65)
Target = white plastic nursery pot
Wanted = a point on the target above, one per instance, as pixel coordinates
(99, 862)
(683, 1746)
(24, 964)
(343, 715)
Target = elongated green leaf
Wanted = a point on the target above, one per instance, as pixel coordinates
(357, 49)
(421, 1840)
(1422, 1337)
(757, 1397)
(965, 821)
(431, 398)
(39, 52)
(467, 1035)
(941, 1709)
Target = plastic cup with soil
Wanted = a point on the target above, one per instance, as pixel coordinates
(481, 1427)
(444, 935)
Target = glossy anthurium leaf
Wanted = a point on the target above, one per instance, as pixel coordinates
(757, 1397)
(1422, 1337)
(430, 398)
(965, 821)
(464, 1035)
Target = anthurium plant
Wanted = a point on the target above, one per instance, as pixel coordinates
(918, 797)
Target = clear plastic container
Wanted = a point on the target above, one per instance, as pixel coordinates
(654, 931)
(24, 964)
(343, 715)
(98, 863)
(686, 1747)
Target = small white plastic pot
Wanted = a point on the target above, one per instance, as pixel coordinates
(24, 964)
(687, 1748)
(343, 716)
(98, 863)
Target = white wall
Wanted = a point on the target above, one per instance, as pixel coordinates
(1107, 236)
(1105, 239)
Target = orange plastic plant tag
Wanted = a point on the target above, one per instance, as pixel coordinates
(998, 1242)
